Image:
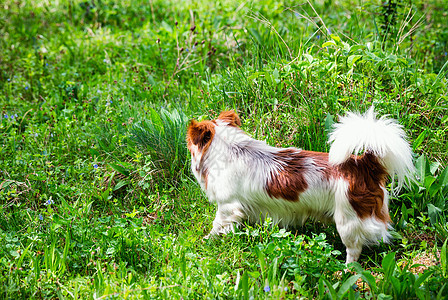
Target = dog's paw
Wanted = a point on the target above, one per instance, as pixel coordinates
(210, 236)
(213, 235)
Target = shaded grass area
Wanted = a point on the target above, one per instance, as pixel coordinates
(96, 195)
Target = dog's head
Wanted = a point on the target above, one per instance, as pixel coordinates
(200, 134)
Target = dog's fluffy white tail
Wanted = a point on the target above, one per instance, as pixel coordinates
(383, 137)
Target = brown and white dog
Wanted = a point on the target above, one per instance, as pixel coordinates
(249, 179)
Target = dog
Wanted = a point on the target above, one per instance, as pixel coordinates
(250, 180)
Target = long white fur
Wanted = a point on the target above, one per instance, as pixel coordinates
(239, 166)
(384, 137)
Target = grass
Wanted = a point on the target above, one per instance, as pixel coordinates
(96, 197)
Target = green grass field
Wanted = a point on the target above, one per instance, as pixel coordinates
(97, 200)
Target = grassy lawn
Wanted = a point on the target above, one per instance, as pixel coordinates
(97, 200)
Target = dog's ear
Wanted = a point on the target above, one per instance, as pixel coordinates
(200, 133)
(230, 117)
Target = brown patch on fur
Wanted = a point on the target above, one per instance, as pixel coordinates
(366, 176)
(230, 117)
(289, 181)
(201, 135)
(364, 173)
(320, 161)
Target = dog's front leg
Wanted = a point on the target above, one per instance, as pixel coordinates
(228, 215)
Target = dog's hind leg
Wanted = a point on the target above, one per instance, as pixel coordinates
(355, 232)
(358, 232)
(352, 237)
(348, 224)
